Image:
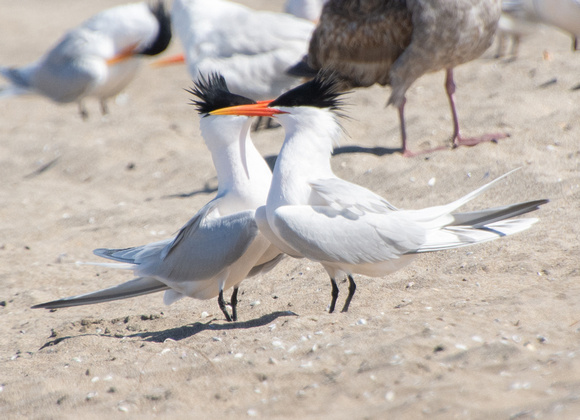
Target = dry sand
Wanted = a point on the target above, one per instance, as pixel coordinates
(491, 331)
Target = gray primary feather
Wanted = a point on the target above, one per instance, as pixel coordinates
(136, 287)
(480, 218)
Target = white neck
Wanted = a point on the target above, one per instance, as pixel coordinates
(305, 156)
(243, 175)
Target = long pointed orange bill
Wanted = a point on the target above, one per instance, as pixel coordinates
(123, 55)
(169, 61)
(259, 109)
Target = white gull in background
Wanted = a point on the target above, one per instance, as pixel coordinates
(221, 245)
(312, 213)
(521, 17)
(97, 59)
(305, 9)
(251, 49)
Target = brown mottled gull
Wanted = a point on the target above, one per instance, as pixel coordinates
(394, 42)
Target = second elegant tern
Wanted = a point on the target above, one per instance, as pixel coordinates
(221, 245)
(312, 213)
(99, 58)
(394, 42)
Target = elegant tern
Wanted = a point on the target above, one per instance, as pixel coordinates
(312, 213)
(97, 59)
(252, 49)
(394, 42)
(221, 245)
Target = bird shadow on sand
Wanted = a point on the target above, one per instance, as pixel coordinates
(183, 332)
(208, 188)
(187, 331)
(377, 151)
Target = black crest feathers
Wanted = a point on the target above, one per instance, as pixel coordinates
(213, 93)
(163, 37)
(322, 92)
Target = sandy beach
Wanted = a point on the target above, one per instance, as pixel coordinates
(489, 331)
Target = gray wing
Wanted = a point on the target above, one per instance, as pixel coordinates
(160, 249)
(346, 195)
(327, 235)
(137, 287)
(70, 69)
(203, 249)
(192, 226)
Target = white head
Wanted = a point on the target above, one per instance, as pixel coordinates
(212, 93)
(221, 132)
(312, 107)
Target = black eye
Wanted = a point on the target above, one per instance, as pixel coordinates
(322, 92)
(212, 93)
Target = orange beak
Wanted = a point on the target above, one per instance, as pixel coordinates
(259, 109)
(123, 55)
(168, 61)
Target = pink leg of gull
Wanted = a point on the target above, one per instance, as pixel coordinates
(458, 140)
(406, 152)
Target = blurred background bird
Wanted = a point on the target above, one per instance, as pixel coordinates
(520, 18)
(252, 49)
(305, 9)
(97, 59)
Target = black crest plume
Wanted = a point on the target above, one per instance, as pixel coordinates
(324, 91)
(164, 35)
(213, 93)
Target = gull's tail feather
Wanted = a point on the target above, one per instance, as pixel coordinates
(136, 287)
(480, 226)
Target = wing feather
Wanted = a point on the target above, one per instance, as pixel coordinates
(346, 195)
(342, 236)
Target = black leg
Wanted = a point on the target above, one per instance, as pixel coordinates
(334, 295)
(83, 111)
(234, 303)
(104, 107)
(270, 124)
(351, 290)
(258, 123)
(222, 304)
